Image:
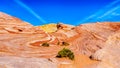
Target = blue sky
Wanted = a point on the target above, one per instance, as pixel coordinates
(74, 12)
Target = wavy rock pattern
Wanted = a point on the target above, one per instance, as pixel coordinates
(23, 42)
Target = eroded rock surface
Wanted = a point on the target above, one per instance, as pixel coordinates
(23, 42)
(109, 55)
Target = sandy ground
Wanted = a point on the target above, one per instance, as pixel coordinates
(81, 61)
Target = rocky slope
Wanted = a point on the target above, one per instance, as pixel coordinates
(31, 46)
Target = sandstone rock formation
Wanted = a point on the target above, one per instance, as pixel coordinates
(109, 55)
(22, 41)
